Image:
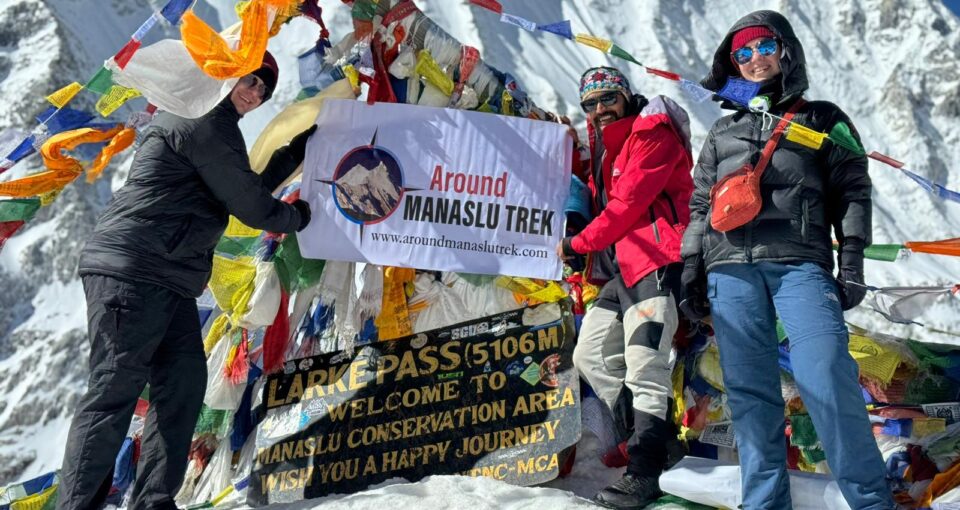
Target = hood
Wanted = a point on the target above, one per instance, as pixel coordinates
(793, 65)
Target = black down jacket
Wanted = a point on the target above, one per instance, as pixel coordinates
(187, 177)
(805, 192)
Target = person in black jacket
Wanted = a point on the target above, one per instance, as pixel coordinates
(780, 264)
(148, 260)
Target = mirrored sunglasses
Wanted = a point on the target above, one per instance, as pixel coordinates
(608, 99)
(254, 82)
(765, 48)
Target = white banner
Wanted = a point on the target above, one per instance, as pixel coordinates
(435, 188)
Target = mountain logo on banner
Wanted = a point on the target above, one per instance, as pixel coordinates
(367, 185)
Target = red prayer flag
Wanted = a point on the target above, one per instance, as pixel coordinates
(665, 74)
(122, 58)
(7, 229)
(492, 5)
(883, 158)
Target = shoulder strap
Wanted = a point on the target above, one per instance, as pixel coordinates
(771, 145)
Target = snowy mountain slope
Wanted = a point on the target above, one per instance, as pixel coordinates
(892, 65)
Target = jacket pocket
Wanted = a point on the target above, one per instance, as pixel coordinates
(653, 222)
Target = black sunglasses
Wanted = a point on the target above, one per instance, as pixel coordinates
(608, 99)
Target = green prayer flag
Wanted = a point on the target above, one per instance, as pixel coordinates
(213, 421)
(101, 82)
(884, 252)
(781, 331)
(620, 52)
(294, 271)
(364, 10)
(802, 434)
(18, 209)
(813, 455)
(238, 246)
(881, 252)
(841, 135)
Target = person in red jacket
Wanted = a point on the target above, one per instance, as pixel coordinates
(639, 175)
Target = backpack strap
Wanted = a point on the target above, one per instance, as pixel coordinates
(771, 145)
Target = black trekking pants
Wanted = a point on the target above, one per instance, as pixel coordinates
(139, 333)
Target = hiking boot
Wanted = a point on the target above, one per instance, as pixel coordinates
(631, 492)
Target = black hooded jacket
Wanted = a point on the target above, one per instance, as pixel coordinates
(805, 192)
(187, 177)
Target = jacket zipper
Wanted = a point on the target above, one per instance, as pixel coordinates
(805, 220)
(748, 230)
(653, 221)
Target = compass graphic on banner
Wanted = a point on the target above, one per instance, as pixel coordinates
(367, 184)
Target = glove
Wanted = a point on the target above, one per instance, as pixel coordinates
(298, 146)
(850, 275)
(304, 209)
(567, 247)
(693, 289)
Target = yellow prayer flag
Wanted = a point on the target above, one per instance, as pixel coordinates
(63, 96)
(603, 45)
(805, 136)
(430, 70)
(37, 501)
(114, 98)
(236, 228)
(352, 76)
(506, 103)
(48, 197)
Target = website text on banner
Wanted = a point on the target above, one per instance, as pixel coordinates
(434, 188)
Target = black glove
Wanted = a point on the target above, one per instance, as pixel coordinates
(298, 146)
(568, 248)
(693, 289)
(850, 275)
(304, 209)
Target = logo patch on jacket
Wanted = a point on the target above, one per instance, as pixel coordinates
(615, 172)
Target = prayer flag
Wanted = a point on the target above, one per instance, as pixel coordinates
(122, 58)
(695, 91)
(603, 45)
(518, 21)
(883, 158)
(664, 74)
(561, 28)
(109, 102)
(739, 91)
(101, 82)
(805, 136)
(8, 229)
(363, 10)
(932, 187)
(174, 10)
(18, 209)
(841, 135)
(944, 247)
(492, 5)
(145, 27)
(64, 119)
(63, 96)
(617, 51)
(430, 70)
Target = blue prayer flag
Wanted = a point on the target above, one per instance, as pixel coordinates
(739, 91)
(561, 28)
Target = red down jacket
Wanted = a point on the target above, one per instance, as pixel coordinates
(646, 174)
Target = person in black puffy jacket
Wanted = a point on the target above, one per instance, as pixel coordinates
(148, 260)
(780, 264)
